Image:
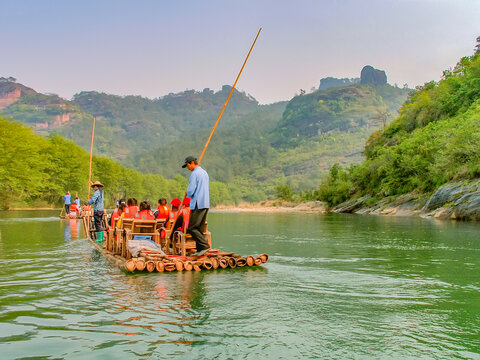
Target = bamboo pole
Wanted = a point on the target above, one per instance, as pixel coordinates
(228, 98)
(91, 153)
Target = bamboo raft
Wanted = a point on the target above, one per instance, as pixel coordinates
(175, 254)
(177, 248)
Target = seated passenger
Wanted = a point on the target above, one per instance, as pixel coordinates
(74, 208)
(163, 210)
(121, 214)
(130, 211)
(145, 212)
(135, 206)
(175, 205)
(117, 212)
(87, 210)
(181, 224)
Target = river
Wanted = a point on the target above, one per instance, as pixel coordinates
(335, 287)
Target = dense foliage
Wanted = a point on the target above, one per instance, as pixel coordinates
(35, 170)
(345, 109)
(255, 148)
(435, 139)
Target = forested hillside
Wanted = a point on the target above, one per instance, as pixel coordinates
(255, 148)
(127, 125)
(296, 145)
(434, 140)
(36, 171)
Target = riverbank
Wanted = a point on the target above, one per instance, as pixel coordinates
(315, 207)
(452, 201)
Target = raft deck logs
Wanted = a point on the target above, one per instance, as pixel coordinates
(174, 256)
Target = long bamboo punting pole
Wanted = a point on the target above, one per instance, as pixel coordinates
(221, 113)
(91, 153)
(228, 98)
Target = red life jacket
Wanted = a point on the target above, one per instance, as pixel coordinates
(145, 215)
(173, 214)
(115, 216)
(129, 214)
(186, 214)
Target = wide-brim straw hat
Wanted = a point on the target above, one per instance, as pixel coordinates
(97, 183)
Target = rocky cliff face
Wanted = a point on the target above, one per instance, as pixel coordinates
(372, 76)
(9, 98)
(11, 91)
(453, 201)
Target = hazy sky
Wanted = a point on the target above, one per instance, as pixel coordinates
(154, 47)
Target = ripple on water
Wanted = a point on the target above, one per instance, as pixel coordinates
(326, 296)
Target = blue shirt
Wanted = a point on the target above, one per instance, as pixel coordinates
(77, 201)
(67, 199)
(199, 189)
(97, 199)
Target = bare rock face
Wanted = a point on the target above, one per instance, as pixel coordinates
(453, 201)
(372, 76)
(10, 91)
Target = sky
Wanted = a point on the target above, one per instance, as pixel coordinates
(155, 47)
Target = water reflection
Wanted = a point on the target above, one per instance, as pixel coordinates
(334, 287)
(72, 229)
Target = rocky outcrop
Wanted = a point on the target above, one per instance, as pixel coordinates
(10, 92)
(454, 201)
(372, 76)
(352, 205)
(459, 201)
(9, 98)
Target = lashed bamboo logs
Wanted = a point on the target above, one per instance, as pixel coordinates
(170, 266)
(150, 265)
(241, 262)
(130, 264)
(232, 263)
(223, 262)
(140, 264)
(179, 265)
(160, 266)
(153, 260)
(207, 264)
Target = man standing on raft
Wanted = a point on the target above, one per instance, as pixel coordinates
(199, 192)
(98, 207)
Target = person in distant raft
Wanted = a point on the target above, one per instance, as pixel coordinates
(199, 193)
(97, 200)
(68, 201)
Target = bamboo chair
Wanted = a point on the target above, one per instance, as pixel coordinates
(139, 227)
(160, 225)
(183, 243)
(125, 224)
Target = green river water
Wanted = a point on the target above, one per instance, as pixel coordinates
(335, 287)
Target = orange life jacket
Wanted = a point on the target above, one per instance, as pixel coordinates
(163, 212)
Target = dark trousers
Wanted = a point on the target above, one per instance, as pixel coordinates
(196, 226)
(98, 219)
(67, 208)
